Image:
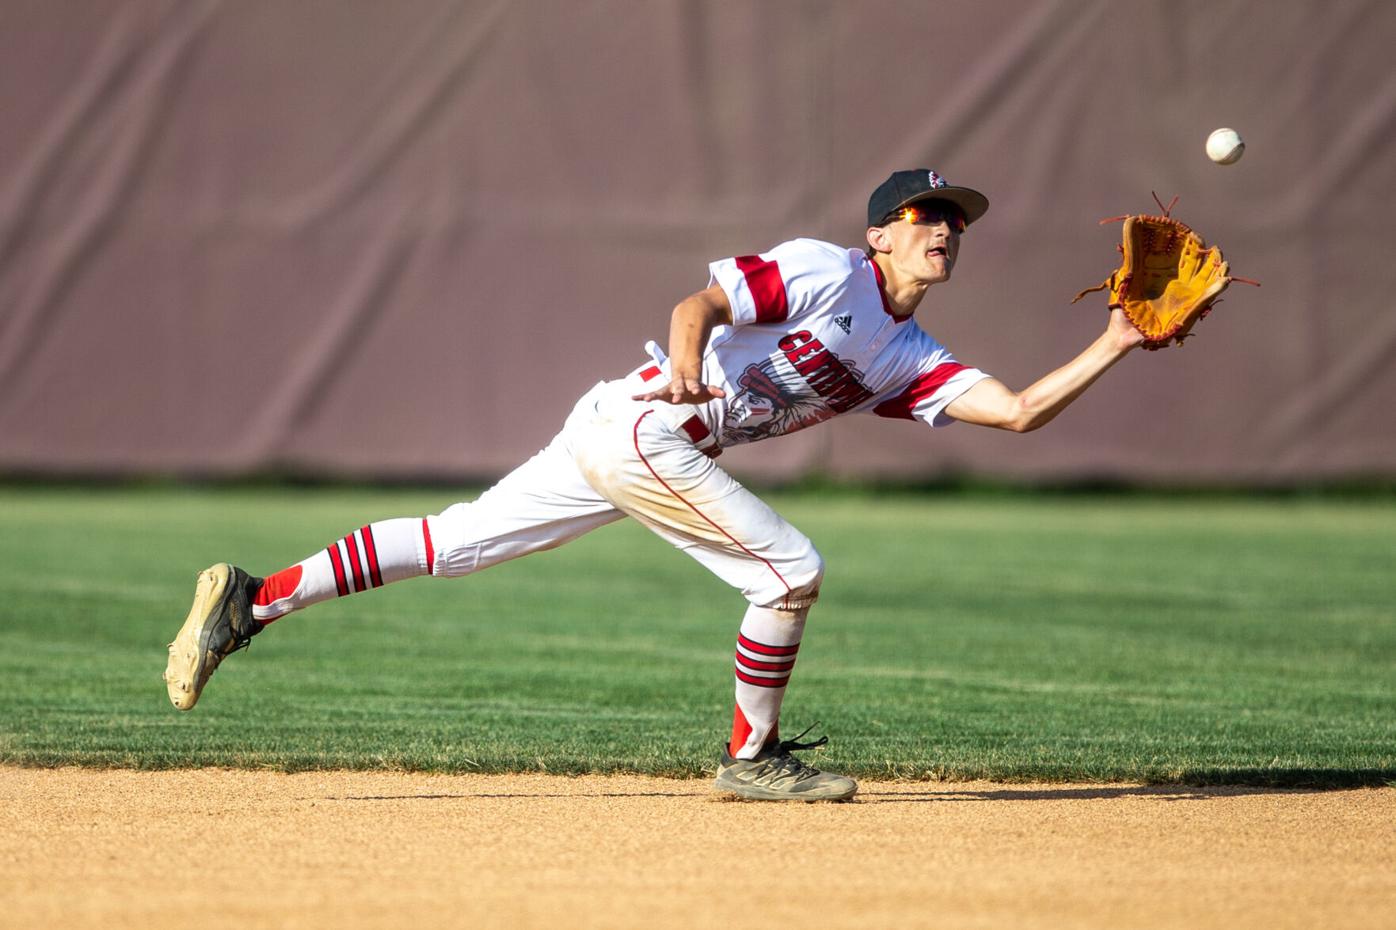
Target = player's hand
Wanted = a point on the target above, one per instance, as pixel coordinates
(683, 390)
(1122, 331)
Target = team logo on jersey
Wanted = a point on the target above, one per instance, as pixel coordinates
(935, 179)
(844, 323)
(800, 385)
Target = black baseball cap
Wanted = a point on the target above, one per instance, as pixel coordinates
(907, 187)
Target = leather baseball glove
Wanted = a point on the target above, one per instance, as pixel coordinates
(1168, 279)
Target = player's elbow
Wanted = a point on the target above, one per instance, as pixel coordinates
(1024, 417)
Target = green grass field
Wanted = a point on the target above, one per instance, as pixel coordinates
(1190, 639)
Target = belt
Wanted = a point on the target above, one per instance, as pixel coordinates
(698, 433)
(694, 428)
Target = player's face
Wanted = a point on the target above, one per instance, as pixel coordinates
(926, 240)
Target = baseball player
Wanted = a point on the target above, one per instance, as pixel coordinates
(777, 342)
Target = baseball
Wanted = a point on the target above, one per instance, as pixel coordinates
(1225, 146)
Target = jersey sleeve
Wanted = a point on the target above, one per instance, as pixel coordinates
(791, 280)
(939, 379)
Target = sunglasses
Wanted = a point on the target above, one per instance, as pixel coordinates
(929, 214)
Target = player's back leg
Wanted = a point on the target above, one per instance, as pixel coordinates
(542, 504)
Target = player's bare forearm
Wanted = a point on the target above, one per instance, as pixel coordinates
(991, 403)
(690, 327)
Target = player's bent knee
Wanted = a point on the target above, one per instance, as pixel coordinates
(453, 550)
(801, 580)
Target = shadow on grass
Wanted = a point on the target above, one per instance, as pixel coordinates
(1311, 778)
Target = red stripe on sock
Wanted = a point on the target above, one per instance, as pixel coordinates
(741, 730)
(282, 584)
(353, 549)
(431, 553)
(764, 666)
(763, 682)
(338, 564)
(372, 553)
(766, 650)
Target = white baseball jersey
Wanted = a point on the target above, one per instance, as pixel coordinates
(813, 336)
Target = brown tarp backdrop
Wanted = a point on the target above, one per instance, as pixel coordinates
(400, 238)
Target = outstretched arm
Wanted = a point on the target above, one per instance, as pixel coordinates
(991, 403)
(689, 328)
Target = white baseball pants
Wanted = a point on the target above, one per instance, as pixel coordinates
(614, 457)
(618, 457)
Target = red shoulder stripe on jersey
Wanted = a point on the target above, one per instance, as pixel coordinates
(767, 288)
(650, 373)
(904, 405)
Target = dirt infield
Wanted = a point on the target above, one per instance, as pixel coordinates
(259, 849)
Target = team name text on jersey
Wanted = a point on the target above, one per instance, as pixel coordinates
(823, 371)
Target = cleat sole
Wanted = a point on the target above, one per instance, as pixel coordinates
(188, 658)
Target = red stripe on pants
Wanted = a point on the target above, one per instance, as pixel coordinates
(431, 553)
(706, 518)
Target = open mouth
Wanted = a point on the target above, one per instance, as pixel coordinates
(939, 250)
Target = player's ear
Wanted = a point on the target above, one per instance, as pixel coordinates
(879, 239)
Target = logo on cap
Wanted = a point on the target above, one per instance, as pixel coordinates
(935, 179)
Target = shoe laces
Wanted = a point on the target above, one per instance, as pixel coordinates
(782, 761)
(243, 632)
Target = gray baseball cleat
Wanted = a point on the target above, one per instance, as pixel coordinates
(776, 775)
(219, 624)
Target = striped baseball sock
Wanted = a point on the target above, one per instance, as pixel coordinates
(766, 648)
(369, 557)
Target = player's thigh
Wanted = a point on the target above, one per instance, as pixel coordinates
(661, 480)
(542, 504)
